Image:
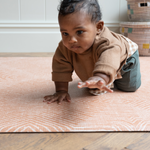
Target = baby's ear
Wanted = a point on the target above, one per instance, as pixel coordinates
(100, 25)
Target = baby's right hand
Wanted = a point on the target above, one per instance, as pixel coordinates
(58, 96)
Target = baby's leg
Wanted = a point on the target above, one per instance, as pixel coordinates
(131, 76)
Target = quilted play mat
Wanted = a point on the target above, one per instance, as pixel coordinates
(24, 81)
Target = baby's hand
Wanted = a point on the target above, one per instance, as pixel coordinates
(95, 82)
(58, 96)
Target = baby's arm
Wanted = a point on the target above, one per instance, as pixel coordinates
(60, 95)
(99, 80)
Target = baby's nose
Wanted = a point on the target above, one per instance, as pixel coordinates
(73, 39)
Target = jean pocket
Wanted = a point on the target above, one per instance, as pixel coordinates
(128, 66)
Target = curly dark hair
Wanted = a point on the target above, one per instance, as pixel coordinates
(91, 6)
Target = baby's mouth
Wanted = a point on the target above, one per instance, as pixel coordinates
(74, 46)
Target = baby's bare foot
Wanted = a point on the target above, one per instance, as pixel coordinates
(97, 92)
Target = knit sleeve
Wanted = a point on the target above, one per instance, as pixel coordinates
(61, 66)
(109, 62)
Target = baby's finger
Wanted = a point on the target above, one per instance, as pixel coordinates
(100, 83)
(47, 98)
(52, 100)
(82, 84)
(79, 83)
(107, 89)
(68, 98)
(60, 99)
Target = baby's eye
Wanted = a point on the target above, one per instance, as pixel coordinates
(65, 34)
(79, 32)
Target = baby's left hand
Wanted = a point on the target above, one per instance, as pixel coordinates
(95, 82)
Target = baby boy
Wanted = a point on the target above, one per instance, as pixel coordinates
(99, 56)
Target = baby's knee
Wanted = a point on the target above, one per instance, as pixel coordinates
(129, 87)
(133, 88)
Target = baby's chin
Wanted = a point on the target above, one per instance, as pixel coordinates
(78, 50)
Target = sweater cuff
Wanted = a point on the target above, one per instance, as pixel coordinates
(61, 77)
(108, 70)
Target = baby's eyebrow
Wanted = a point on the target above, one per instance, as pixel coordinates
(80, 27)
(62, 30)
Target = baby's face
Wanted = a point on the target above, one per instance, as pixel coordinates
(78, 32)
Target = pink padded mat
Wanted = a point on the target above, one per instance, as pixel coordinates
(24, 81)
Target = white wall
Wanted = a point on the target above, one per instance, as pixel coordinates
(32, 26)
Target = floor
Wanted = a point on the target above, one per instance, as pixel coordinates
(75, 141)
(72, 141)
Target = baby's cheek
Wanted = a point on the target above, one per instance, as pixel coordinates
(89, 44)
